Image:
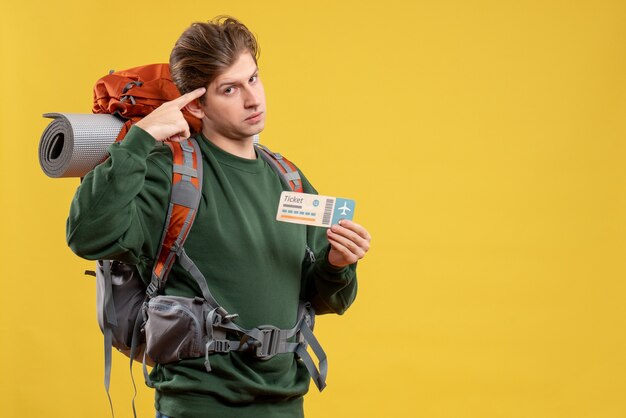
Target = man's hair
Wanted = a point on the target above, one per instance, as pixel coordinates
(206, 49)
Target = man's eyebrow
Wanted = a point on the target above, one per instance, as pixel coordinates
(229, 82)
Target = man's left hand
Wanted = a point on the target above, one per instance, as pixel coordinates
(349, 242)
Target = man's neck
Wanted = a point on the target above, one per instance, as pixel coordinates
(243, 148)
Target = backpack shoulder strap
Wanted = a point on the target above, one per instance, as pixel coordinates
(184, 200)
(183, 206)
(286, 170)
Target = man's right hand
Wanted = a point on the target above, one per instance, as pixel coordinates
(166, 122)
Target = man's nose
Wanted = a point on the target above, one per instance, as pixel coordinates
(252, 97)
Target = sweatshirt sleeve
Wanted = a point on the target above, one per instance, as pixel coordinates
(329, 289)
(119, 208)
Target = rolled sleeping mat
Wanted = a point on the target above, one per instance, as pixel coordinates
(73, 144)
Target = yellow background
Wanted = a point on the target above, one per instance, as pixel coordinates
(484, 143)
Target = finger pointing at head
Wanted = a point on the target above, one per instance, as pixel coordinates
(189, 97)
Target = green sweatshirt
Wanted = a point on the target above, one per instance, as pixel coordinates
(255, 266)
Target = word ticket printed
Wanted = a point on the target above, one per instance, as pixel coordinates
(313, 209)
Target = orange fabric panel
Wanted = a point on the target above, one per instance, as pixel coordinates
(149, 85)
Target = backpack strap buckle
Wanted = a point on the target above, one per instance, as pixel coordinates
(186, 146)
(176, 247)
(269, 339)
(153, 288)
(220, 346)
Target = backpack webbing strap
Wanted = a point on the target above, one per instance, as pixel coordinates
(134, 347)
(195, 272)
(184, 200)
(109, 320)
(108, 344)
(286, 170)
(108, 311)
(266, 341)
(318, 376)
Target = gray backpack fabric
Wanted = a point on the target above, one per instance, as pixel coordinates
(118, 287)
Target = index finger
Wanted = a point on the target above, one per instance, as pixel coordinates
(355, 227)
(189, 97)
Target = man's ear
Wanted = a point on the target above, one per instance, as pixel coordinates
(195, 109)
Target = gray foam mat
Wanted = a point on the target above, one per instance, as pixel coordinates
(73, 144)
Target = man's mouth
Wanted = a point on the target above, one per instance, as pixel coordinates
(254, 117)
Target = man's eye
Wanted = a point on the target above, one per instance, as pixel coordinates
(229, 90)
(253, 78)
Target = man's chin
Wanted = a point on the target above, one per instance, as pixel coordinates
(238, 135)
(258, 129)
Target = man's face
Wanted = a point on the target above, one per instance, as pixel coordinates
(234, 106)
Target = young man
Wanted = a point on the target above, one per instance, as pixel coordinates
(254, 265)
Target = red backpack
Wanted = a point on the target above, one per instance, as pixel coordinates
(134, 93)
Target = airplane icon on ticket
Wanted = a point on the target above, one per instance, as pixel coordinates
(344, 208)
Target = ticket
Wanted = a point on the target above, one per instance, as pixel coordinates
(313, 209)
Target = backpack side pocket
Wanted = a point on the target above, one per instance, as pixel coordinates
(174, 328)
(120, 293)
